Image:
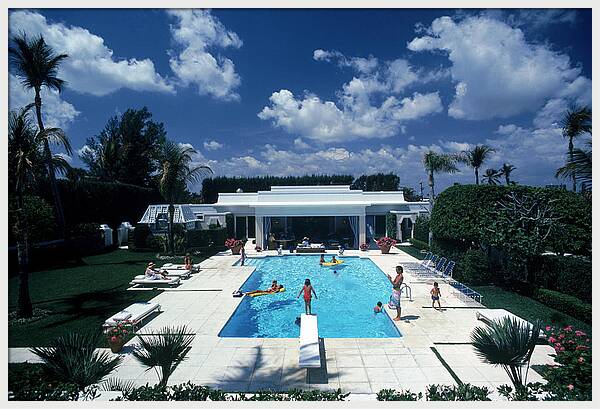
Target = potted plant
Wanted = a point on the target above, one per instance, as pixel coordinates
(116, 336)
(234, 245)
(364, 247)
(385, 243)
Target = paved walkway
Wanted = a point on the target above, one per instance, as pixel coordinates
(359, 365)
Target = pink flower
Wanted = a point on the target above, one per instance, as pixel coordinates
(570, 387)
(562, 349)
(548, 327)
(581, 360)
(580, 333)
(113, 339)
(552, 340)
(568, 328)
(561, 336)
(124, 331)
(557, 345)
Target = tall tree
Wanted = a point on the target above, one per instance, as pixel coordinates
(492, 176)
(576, 122)
(127, 149)
(433, 163)
(579, 167)
(176, 171)
(25, 148)
(37, 66)
(505, 171)
(476, 157)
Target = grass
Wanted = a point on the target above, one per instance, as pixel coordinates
(78, 298)
(412, 251)
(527, 308)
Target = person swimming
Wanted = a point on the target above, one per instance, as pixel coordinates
(378, 308)
(333, 259)
(322, 259)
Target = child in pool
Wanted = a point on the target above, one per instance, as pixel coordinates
(322, 260)
(378, 308)
(333, 260)
(435, 296)
(308, 291)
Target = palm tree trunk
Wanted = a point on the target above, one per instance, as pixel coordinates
(24, 307)
(60, 217)
(431, 200)
(571, 158)
(476, 176)
(171, 217)
(507, 179)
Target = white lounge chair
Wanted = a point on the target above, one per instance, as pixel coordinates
(134, 314)
(309, 355)
(171, 266)
(144, 281)
(178, 273)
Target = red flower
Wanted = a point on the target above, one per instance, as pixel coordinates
(113, 339)
(552, 340)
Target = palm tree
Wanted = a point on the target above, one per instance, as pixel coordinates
(579, 166)
(505, 171)
(437, 163)
(492, 176)
(25, 147)
(174, 175)
(164, 349)
(476, 156)
(37, 66)
(508, 343)
(577, 121)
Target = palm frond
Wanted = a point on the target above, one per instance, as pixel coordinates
(58, 137)
(73, 358)
(115, 384)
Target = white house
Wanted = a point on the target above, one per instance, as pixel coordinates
(323, 213)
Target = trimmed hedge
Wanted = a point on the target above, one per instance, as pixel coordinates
(565, 303)
(421, 229)
(421, 245)
(568, 275)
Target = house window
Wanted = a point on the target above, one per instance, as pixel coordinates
(380, 225)
(200, 217)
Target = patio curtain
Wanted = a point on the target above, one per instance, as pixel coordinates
(354, 226)
(266, 230)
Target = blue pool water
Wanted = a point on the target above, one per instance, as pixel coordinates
(344, 307)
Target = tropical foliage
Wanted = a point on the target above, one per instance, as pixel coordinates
(506, 170)
(492, 176)
(579, 167)
(577, 121)
(508, 343)
(73, 358)
(476, 157)
(163, 350)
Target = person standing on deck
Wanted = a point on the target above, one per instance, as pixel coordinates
(396, 296)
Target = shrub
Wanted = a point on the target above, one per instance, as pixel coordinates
(155, 243)
(565, 303)
(386, 242)
(421, 229)
(140, 236)
(41, 222)
(474, 268)
(391, 227)
(197, 238)
(462, 392)
(72, 358)
(217, 237)
(87, 238)
(421, 245)
(568, 274)
(393, 395)
(233, 242)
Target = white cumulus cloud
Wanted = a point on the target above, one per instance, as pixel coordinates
(91, 67)
(497, 72)
(194, 33)
(212, 145)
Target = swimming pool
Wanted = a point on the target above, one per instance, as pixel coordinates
(347, 294)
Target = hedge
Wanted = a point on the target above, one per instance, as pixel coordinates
(421, 229)
(570, 275)
(421, 245)
(565, 303)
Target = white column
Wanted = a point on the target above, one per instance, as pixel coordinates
(398, 227)
(362, 229)
(258, 223)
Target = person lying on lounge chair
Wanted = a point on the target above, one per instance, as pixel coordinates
(154, 274)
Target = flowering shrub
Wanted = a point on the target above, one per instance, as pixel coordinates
(120, 332)
(571, 379)
(232, 242)
(364, 247)
(386, 242)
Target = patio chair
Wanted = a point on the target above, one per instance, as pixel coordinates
(171, 266)
(142, 280)
(449, 269)
(439, 266)
(424, 268)
(178, 273)
(134, 314)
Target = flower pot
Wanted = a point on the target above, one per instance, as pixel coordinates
(385, 249)
(116, 346)
(236, 250)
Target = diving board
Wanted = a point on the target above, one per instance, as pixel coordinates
(309, 354)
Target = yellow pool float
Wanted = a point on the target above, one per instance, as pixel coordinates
(329, 263)
(258, 293)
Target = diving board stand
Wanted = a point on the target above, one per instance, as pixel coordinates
(309, 355)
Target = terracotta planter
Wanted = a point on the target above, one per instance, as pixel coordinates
(236, 250)
(116, 346)
(385, 249)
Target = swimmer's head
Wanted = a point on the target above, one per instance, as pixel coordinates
(379, 304)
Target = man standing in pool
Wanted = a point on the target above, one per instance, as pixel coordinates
(308, 289)
(396, 291)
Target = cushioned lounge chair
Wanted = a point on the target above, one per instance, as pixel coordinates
(134, 314)
(142, 280)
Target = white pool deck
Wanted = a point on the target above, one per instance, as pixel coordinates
(359, 365)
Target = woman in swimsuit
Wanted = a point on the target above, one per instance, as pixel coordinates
(274, 288)
(396, 291)
(188, 261)
(308, 291)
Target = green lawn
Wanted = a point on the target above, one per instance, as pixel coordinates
(413, 251)
(79, 297)
(527, 308)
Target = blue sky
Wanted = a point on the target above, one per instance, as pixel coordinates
(325, 91)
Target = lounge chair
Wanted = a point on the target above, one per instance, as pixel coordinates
(142, 280)
(134, 314)
(311, 248)
(170, 266)
(309, 355)
(425, 268)
(178, 273)
(449, 269)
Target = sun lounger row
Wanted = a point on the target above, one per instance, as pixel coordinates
(133, 315)
(432, 266)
